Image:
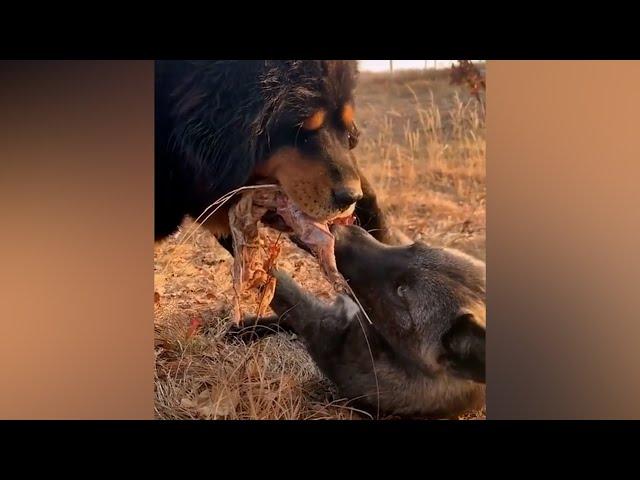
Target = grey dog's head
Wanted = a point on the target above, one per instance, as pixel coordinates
(428, 303)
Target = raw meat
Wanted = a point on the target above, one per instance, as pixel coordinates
(253, 262)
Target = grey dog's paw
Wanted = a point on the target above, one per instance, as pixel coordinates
(254, 328)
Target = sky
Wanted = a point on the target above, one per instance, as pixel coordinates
(383, 65)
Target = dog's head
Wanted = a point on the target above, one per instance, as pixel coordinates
(308, 132)
(428, 303)
(292, 121)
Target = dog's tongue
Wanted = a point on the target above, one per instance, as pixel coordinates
(310, 230)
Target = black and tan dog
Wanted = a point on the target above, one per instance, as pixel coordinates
(221, 125)
(427, 337)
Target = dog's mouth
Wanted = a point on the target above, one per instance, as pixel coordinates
(277, 210)
(274, 220)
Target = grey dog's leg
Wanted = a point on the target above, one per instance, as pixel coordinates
(317, 322)
(300, 312)
(254, 328)
(291, 305)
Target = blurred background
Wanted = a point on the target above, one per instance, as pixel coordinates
(387, 65)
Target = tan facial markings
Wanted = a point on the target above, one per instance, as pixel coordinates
(218, 223)
(348, 115)
(305, 181)
(315, 121)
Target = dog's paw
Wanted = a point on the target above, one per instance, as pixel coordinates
(252, 328)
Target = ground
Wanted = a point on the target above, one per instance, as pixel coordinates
(423, 148)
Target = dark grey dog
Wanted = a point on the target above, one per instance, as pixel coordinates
(424, 353)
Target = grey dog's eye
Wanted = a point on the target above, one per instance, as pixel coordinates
(402, 291)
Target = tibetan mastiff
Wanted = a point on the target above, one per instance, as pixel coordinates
(221, 125)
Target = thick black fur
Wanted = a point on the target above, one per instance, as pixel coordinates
(216, 121)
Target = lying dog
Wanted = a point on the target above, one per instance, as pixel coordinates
(427, 337)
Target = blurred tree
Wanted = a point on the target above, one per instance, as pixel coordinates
(468, 73)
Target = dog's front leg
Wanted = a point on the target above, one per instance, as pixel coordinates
(368, 212)
(374, 220)
(371, 217)
(293, 307)
(319, 324)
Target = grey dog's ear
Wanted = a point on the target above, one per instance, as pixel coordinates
(464, 348)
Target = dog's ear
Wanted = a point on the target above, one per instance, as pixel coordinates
(464, 348)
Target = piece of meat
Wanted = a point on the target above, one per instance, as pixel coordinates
(314, 234)
(251, 272)
(317, 237)
(251, 282)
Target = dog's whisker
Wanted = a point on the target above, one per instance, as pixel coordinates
(353, 294)
(373, 363)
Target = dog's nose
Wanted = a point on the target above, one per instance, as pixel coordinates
(343, 197)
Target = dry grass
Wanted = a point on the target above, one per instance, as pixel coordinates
(423, 147)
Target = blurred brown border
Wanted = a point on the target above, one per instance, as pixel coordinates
(76, 247)
(563, 235)
(76, 242)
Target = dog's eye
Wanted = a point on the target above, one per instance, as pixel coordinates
(353, 141)
(352, 135)
(401, 291)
